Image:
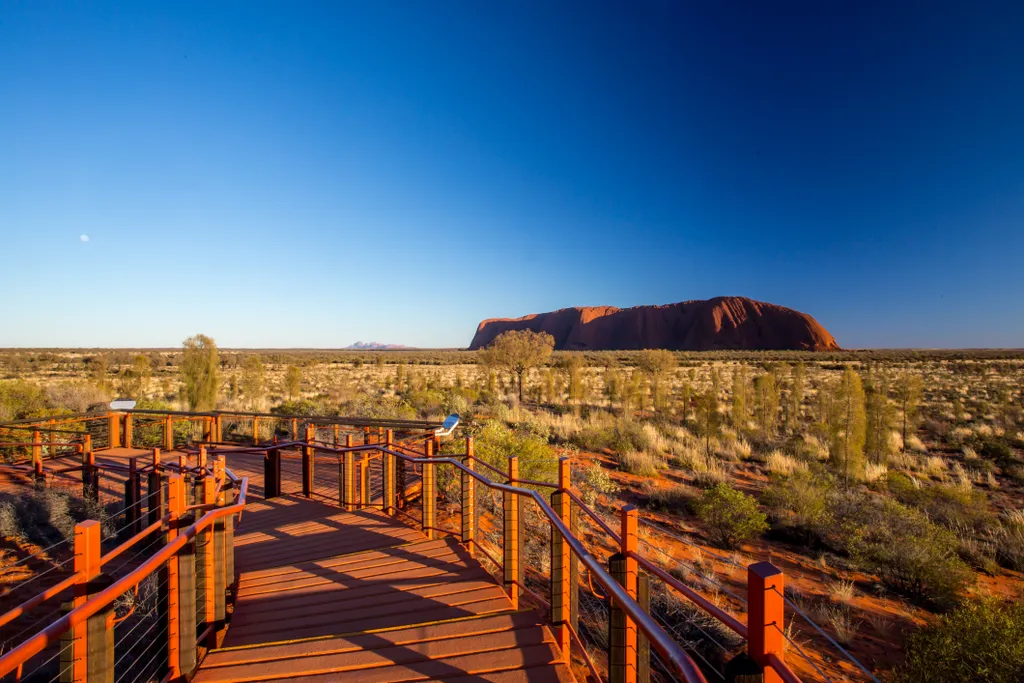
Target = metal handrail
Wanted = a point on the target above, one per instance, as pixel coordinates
(37, 643)
(669, 650)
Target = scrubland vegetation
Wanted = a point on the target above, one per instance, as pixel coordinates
(890, 485)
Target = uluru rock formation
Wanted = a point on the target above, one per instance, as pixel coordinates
(730, 322)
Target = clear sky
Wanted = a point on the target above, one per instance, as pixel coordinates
(312, 174)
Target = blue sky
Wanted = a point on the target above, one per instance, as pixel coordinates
(312, 174)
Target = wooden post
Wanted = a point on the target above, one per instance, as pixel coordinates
(295, 429)
(364, 481)
(307, 462)
(337, 434)
(182, 605)
(218, 425)
(201, 462)
(90, 473)
(643, 646)
(113, 431)
(155, 490)
(561, 558)
(127, 430)
(468, 501)
(206, 567)
(388, 475)
(87, 643)
(272, 474)
(133, 498)
(429, 493)
(255, 431)
(510, 508)
(400, 478)
(622, 656)
(765, 616)
(222, 579)
(37, 457)
(168, 433)
(348, 488)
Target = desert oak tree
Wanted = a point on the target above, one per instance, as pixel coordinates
(519, 351)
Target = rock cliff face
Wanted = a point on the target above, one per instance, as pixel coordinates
(720, 323)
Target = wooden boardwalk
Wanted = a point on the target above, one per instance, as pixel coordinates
(330, 595)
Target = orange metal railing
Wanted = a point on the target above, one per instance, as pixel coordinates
(399, 476)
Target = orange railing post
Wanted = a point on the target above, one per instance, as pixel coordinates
(113, 430)
(295, 429)
(255, 431)
(429, 493)
(561, 558)
(87, 463)
(468, 501)
(155, 490)
(512, 570)
(133, 498)
(221, 549)
(37, 457)
(388, 475)
(218, 425)
(765, 617)
(307, 462)
(348, 476)
(181, 586)
(168, 433)
(207, 567)
(622, 656)
(87, 570)
(127, 430)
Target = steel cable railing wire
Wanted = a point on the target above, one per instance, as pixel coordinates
(34, 555)
(679, 564)
(663, 530)
(853, 660)
(37, 576)
(690, 645)
(60, 670)
(800, 651)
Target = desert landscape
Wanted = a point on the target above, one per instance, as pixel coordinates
(888, 485)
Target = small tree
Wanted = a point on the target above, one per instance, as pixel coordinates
(766, 403)
(848, 425)
(879, 416)
(707, 417)
(293, 382)
(253, 378)
(908, 397)
(518, 351)
(795, 398)
(200, 367)
(657, 363)
(739, 396)
(731, 516)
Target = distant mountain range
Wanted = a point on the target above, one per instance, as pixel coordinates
(374, 346)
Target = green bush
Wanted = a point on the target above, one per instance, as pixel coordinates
(910, 553)
(674, 499)
(798, 504)
(979, 641)
(623, 436)
(495, 443)
(951, 506)
(731, 516)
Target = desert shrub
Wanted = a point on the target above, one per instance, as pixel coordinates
(673, 499)
(731, 516)
(495, 444)
(1008, 542)
(782, 464)
(979, 641)
(799, 504)
(951, 506)
(910, 553)
(624, 435)
(592, 481)
(10, 527)
(996, 450)
(709, 472)
(381, 407)
(47, 516)
(21, 400)
(641, 464)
